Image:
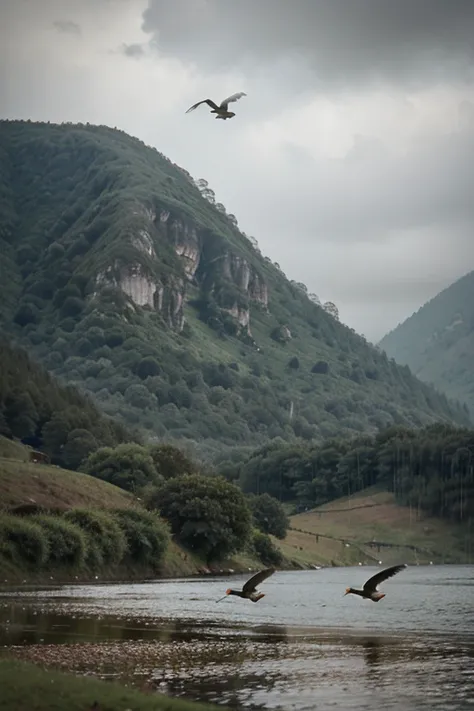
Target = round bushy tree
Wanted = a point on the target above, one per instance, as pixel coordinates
(170, 461)
(207, 514)
(128, 466)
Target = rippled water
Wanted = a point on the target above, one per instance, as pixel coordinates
(303, 646)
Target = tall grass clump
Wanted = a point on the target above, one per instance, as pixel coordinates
(147, 535)
(106, 542)
(23, 541)
(67, 541)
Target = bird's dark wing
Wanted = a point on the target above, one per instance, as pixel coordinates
(256, 579)
(204, 101)
(235, 97)
(371, 584)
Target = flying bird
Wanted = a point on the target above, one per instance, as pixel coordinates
(222, 110)
(249, 590)
(369, 591)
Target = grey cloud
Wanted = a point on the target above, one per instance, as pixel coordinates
(373, 191)
(133, 50)
(345, 41)
(67, 26)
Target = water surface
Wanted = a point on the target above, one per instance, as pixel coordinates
(303, 646)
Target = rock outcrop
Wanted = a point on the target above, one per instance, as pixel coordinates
(138, 281)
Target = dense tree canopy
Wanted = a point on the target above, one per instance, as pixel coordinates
(37, 409)
(430, 468)
(129, 466)
(207, 514)
(170, 461)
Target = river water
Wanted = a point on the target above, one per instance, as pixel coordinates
(304, 646)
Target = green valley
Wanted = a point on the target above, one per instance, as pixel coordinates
(167, 390)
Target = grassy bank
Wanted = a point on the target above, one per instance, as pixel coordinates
(28, 485)
(26, 686)
(341, 533)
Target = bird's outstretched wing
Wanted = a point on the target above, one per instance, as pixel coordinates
(204, 101)
(371, 584)
(234, 97)
(256, 579)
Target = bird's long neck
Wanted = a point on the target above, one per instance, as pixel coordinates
(354, 591)
(235, 592)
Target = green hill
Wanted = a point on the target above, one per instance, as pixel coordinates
(50, 487)
(121, 275)
(371, 526)
(437, 342)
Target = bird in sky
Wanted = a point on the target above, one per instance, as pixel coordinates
(369, 591)
(222, 110)
(249, 590)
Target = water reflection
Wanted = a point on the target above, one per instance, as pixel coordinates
(371, 652)
(250, 659)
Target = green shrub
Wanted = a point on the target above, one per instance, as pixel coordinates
(146, 534)
(67, 541)
(106, 542)
(269, 515)
(23, 541)
(265, 549)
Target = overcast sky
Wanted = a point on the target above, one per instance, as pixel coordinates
(350, 160)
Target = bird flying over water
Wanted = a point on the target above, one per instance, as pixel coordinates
(369, 591)
(222, 110)
(249, 590)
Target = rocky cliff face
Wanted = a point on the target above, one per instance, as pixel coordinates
(168, 295)
(185, 240)
(237, 270)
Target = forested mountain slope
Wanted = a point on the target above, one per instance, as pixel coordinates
(120, 274)
(58, 419)
(437, 342)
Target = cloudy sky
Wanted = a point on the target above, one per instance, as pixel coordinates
(350, 160)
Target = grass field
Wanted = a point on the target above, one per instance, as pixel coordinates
(23, 482)
(55, 488)
(27, 686)
(346, 527)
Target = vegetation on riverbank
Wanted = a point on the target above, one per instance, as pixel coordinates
(86, 541)
(27, 686)
(55, 523)
(342, 536)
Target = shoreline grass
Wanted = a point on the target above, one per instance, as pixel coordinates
(27, 686)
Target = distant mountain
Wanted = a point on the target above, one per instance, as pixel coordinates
(125, 277)
(437, 342)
